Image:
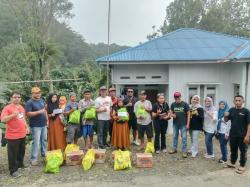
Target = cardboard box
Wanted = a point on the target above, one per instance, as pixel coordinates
(74, 158)
(144, 160)
(100, 156)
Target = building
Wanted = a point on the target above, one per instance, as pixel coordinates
(191, 61)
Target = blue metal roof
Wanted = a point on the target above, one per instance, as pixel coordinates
(185, 44)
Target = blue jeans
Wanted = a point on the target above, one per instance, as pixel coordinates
(39, 136)
(209, 142)
(223, 146)
(183, 129)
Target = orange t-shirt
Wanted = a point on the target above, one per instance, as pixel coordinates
(16, 127)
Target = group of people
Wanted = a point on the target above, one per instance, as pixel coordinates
(53, 124)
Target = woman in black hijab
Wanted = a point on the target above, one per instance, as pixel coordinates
(56, 133)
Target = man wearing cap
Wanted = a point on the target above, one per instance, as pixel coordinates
(35, 109)
(181, 117)
(114, 99)
(73, 130)
(87, 128)
(103, 105)
(144, 122)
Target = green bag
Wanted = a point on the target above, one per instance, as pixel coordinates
(75, 117)
(122, 112)
(90, 113)
(54, 160)
(141, 112)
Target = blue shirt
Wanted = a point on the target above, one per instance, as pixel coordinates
(71, 105)
(39, 120)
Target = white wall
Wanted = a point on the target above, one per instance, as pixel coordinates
(133, 70)
(225, 74)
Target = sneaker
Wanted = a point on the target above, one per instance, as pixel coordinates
(23, 167)
(164, 151)
(193, 155)
(157, 152)
(222, 161)
(184, 155)
(16, 174)
(209, 156)
(136, 143)
(34, 163)
(173, 152)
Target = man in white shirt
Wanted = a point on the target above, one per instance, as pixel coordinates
(103, 105)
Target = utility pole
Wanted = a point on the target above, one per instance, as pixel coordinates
(109, 12)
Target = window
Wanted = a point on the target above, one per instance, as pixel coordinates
(203, 91)
(140, 77)
(124, 77)
(156, 77)
(236, 89)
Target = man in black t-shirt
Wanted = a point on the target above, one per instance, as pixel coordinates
(181, 119)
(129, 102)
(239, 134)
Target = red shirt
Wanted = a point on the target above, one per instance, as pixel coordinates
(16, 127)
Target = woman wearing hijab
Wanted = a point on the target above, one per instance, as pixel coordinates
(120, 134)
(196, 123)
(56, 134)
(210, 126)
(223, 130)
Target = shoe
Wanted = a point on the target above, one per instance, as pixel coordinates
(16, 174)
(101, 147)
(209, 156)
(189, 152)
(136, 143)
(164, 150)
(172, 152)
(34, 163)
(184, 155)
(230, 165)
(222, 161)
(107, 145)
(157, 152)
(194, 155)
(23, 167)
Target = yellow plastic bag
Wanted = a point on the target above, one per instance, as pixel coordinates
(70, 148)
(54, 160)
(88, 160)
(150, 148)
(122, 160)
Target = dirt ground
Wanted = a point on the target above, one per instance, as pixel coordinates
(170, 170)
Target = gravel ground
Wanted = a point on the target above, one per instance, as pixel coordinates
(165, 165)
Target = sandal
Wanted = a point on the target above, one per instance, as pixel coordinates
(240, 170)
(230, 165)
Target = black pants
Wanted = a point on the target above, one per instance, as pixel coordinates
(110, 129)
(102, 132)
(235, 143)
(16, 152)
(160, 127)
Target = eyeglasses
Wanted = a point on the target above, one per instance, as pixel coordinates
(17, 97)
(130, 91)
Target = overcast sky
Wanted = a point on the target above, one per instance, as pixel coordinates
(131, 20)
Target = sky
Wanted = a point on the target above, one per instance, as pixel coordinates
(131, 20)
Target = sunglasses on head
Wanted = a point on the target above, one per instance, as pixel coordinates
(160, 94)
